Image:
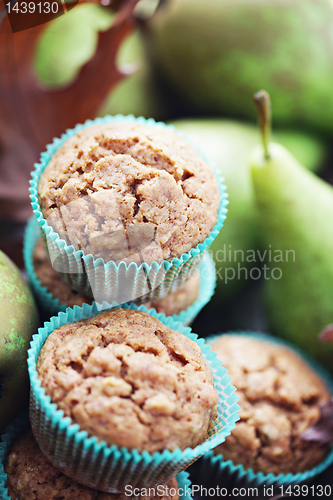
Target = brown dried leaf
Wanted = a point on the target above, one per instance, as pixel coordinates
(322, 431)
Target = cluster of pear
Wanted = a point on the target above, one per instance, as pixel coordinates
(209, 58)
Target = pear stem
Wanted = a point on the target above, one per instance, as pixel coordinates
(263, 103)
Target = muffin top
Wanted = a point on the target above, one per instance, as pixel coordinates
(30, 476)
(173, 303)
(123, 191)
(128, 379)
(279, 395)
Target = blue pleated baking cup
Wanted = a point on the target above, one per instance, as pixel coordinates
(214, 469)
(108, 281)
(51, 305)
(98, 465)
(22, 424)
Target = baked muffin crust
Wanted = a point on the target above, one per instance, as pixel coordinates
(279, 395)
(122, 189)
(130, 380)
(32, 477)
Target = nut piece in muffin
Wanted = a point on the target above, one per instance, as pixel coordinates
(128, 379)
(279, 395)
(124, 192)
(30, 476)
(173, 303)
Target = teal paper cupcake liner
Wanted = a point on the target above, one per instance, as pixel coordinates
(21, 424)
(51, 305)
(108, 281)
(104, 467)
(214, 469)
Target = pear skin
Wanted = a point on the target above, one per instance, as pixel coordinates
(295, 211)
(216, 53)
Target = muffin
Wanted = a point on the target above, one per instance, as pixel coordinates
(129, 380)
(132, 192)
(279, 395)
(30, 476)
(173, 303)
(174, 368)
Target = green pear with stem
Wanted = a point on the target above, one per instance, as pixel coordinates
(228, 144)
(295, 210)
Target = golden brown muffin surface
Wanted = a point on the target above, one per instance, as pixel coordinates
(116, 189)
(279, 395)
(130, 380)
(173, 303)
(32, 477)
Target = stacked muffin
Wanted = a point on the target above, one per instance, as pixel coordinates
(127, 209)
(130, 380)
(127, 396)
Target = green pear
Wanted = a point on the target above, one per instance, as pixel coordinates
(295, 210)
(228, 144)
(19, 321)
(217, 53)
